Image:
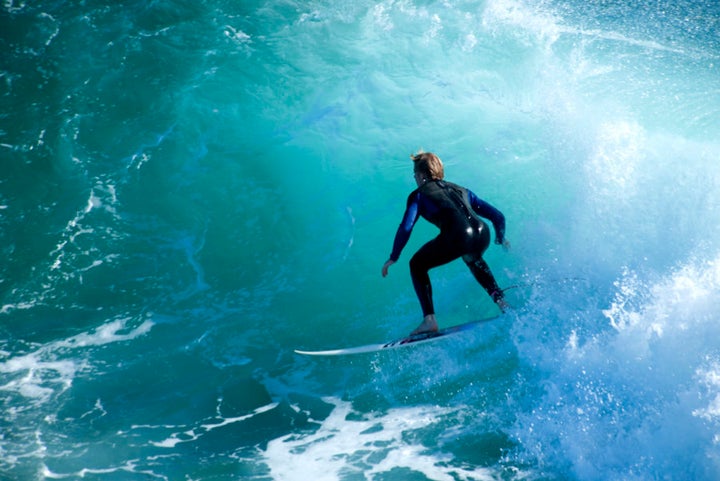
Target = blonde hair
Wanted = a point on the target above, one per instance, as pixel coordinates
(429, 165)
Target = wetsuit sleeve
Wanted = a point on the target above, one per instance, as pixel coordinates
(403, 233)
(483, 209)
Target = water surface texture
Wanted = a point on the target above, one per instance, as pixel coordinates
(190, 190)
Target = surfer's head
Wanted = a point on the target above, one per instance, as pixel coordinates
(428, 166)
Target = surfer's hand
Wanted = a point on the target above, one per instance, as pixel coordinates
(386, 266)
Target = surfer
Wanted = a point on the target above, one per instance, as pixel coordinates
(456, 211)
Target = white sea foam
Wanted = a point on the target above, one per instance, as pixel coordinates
(101, 201)
(36, 377)
(51, 367)
(188, 435)
(7, 308)
(130, 467)
(107, 333)
(643, 395)
(370, 445)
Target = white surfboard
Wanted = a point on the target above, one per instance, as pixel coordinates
(402, 342)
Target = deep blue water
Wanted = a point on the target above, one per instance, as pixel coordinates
(189, 191)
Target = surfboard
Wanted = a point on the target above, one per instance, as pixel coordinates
(402, 342)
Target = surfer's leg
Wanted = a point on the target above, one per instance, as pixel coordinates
(434, 253)
(481, 271)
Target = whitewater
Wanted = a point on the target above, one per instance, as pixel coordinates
(190, 191)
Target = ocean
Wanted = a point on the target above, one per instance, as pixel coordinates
(191, 190)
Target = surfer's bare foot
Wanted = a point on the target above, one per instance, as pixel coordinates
(429, 324)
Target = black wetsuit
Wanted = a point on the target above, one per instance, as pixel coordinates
(454, 210)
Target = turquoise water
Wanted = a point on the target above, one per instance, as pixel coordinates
(190, 191)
